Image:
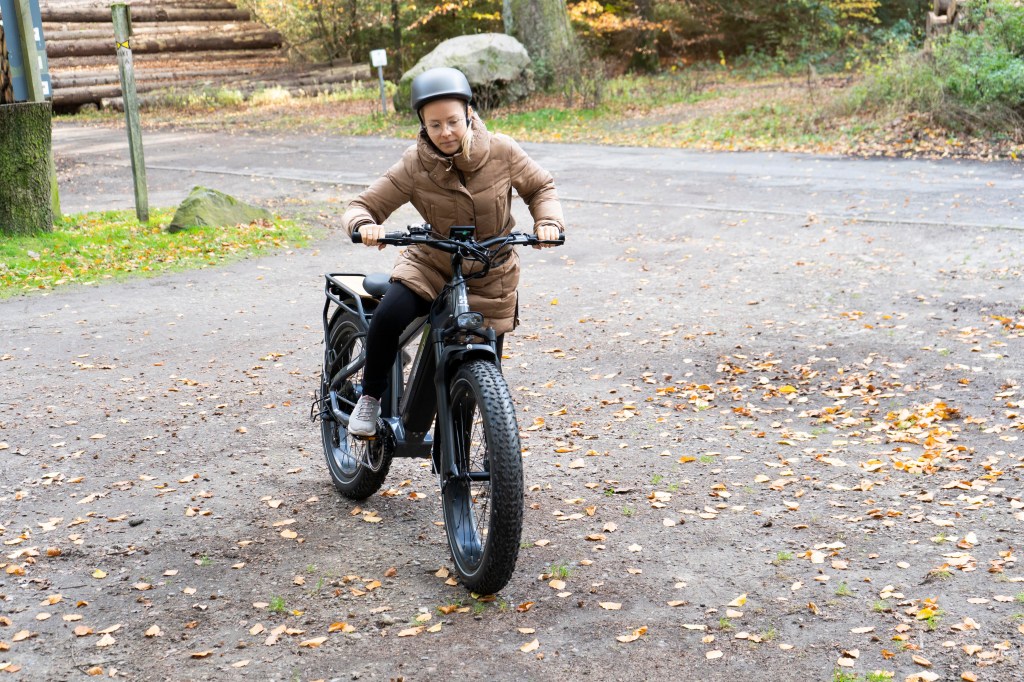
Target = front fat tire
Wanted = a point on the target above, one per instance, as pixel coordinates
(483, 521)
(343, 452)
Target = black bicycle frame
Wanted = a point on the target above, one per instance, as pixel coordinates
(410, 409)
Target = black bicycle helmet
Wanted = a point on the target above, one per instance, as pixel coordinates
(439, 83)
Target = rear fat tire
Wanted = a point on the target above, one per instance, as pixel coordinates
(483, 520)
(344, 452)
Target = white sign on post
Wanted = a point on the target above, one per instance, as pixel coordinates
(379, 59)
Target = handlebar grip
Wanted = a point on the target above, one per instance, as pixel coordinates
(388, 238)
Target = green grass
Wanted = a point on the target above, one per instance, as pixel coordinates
(90, 248)
(782, 556)
(724, 623)
(701, 106)
(1020, 597)
(875, 676)
(277, 605)
(843, 590)
(560, 570)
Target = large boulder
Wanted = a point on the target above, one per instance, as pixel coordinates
(207, 207)
(497, 66)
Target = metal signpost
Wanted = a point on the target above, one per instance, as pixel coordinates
(379, 58)
(30, 73)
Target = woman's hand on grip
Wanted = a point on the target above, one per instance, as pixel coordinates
(371, 235)
(546, 232)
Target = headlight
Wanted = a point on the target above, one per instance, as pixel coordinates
(469, 321)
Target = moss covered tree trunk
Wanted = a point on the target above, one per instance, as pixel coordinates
(543, 27)
(25, 147)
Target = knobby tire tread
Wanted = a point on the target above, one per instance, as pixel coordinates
(494, 402)
(363, 483)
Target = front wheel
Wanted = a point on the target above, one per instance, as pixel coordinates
(483, 502)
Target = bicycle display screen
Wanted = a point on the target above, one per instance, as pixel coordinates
(462, 233)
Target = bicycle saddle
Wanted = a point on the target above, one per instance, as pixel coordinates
(377, 284)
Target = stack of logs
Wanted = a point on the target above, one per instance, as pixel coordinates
(178, 45)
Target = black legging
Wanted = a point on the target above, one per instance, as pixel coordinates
(397, 310)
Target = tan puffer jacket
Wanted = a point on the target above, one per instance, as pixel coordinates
(483, 197)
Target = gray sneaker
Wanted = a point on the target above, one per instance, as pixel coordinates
(363, 422)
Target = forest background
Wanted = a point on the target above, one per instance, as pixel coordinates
(957, 90)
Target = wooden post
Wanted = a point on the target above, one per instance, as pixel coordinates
(122, 32)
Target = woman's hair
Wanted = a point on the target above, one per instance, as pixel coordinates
(467, 139)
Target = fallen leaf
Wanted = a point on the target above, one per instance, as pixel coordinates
(635, 635)
(530, 646)
(105, 640)
(712, 655)
(154, 631)
(313, 643)
(738, 601)
(411, 632)
(610, 605)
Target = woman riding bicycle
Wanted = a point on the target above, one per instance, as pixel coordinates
(457, 173)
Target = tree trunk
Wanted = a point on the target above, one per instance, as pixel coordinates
(254, 40)
(645, 48)
(144, 14)
(543, 27)
(25, 147)
(396, 35)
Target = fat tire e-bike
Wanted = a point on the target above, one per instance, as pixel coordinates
(446, 399)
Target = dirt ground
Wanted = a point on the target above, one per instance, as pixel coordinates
(759, 445)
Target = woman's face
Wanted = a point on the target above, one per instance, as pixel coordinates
(445, 121)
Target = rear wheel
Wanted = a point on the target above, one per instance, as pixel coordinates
(483, 502)
(358, 467)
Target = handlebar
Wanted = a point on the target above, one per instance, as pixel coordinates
(416, 234)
